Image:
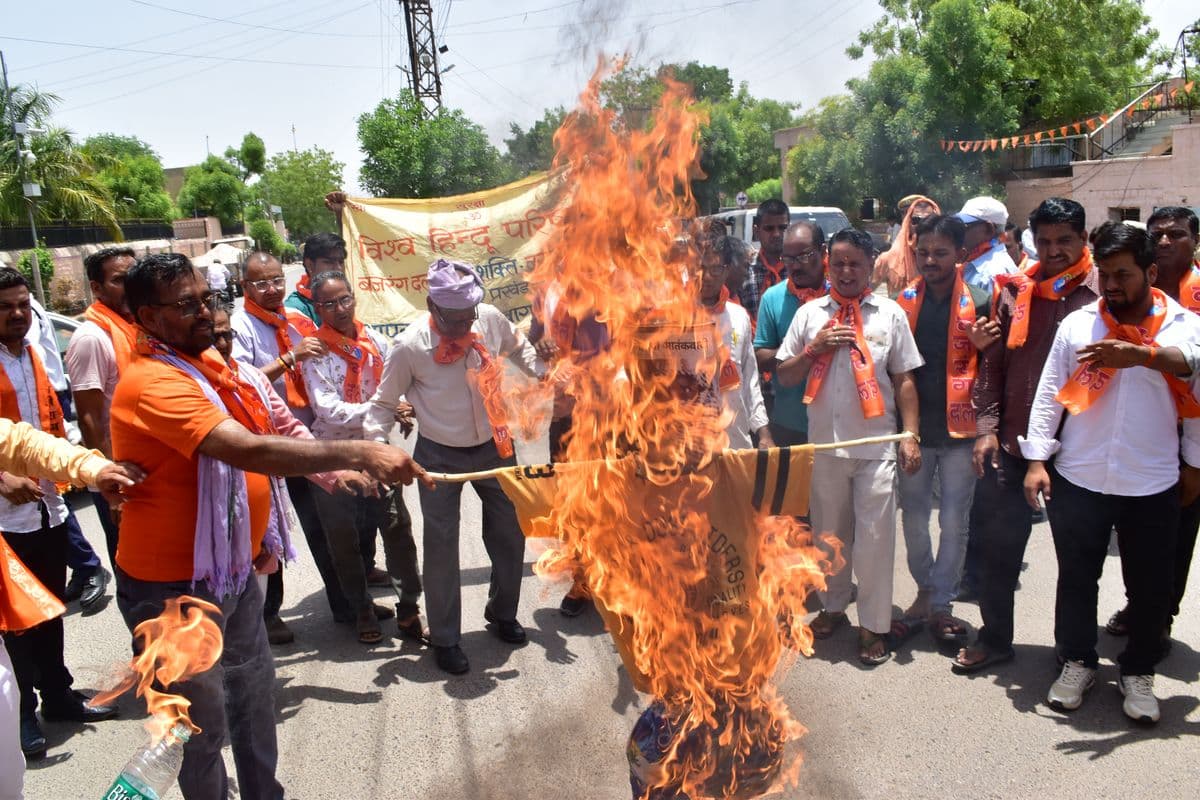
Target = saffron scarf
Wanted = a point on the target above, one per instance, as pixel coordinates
(805, 295)
(775, 272)
(869, 396)
(1090, 381)
(121, 331)
(302, 288)
(359, 354)
(280, 321)
(1189, 289)
(50, 414)
(961, 358)
(729, 377)
(221, 554)
(488, 378)
(1028, 284)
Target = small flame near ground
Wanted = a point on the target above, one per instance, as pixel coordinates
(181, 642)
(642, 540)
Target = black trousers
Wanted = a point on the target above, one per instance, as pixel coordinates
(1082, 522)
(110, 528)
(1002, 535)
(37, 654)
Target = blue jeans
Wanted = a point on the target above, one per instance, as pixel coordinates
(236, 696)
(952, 464)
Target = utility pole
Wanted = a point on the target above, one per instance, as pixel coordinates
(294, 148)
(423, 74)
(30, 189)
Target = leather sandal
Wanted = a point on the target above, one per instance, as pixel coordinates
(368, 628)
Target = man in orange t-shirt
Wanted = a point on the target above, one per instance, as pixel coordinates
(183, 415)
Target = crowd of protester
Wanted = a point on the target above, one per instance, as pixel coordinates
(1061, 370)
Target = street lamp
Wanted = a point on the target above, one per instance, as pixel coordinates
(31, 191)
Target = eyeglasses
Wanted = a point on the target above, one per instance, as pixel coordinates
(268, 283)
(190, 307)
(222, 334)
(343, 302)
(805, 255)
(446, 322)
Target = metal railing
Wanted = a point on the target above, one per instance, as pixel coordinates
(1111, 137)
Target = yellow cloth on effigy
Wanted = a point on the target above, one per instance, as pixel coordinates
(745, 485)
(24, 450)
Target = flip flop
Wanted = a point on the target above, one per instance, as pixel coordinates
(864, 646)
(939, 623)
(826, 622)
(990, 658)
(367, 627)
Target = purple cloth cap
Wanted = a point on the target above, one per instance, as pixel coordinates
(453, 284)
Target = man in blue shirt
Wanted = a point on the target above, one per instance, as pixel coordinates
(804, 261)
(987, 256)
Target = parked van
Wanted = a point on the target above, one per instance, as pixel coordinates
(740, 221)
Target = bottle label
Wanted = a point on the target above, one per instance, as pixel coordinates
(124, 790)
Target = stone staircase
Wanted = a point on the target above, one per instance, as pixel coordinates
(1153, 138)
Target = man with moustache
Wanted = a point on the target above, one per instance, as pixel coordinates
(100, 350)
(771, 219)
(209, 512)
(1114, 461)
(803, 257)
(1175, 233)
(942, 309)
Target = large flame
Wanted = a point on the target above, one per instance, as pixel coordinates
(181, 642)
(615, 253)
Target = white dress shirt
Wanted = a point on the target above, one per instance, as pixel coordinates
(448, 410)
(324, 377)
(835, 414)
(1127, 442)
(254, 344)
(745, 402)
(28, 516)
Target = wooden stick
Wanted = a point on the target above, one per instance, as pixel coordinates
(463, 477)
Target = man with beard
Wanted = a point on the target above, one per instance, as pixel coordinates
(1175, 233)
(804, 259)
(1115, 464)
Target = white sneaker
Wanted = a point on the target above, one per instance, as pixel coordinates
(1066, 693)
(1140, 703)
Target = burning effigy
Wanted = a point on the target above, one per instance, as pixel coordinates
(691, 551)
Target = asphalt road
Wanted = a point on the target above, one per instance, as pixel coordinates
(550, 720)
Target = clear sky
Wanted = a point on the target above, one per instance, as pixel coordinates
(175, 72)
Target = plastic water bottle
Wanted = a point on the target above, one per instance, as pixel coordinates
(152, 771)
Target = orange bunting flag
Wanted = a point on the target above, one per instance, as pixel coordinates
(1104, 119)
(963, 146)
(1091, 124)
(1050, 134)
(1037, 137)
(1063, 130)
(1078, 127)
(1187, 87)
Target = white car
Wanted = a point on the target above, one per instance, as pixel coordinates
(64, 327)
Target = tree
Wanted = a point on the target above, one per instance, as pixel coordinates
(250, 158)
(70, 187)
(765, 190)
(133, 175)
(297, 182)
(265, 237)
(827, 163)
(213, 187)
(407, 154)
(533, 150)
(45, 261)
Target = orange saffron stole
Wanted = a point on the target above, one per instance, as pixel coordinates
(1028, 284)
(121, 331)
(729, 377)
(961, 358)
(1189, 289)
(297, 394)
(869, 397)
(488, 378)
(50, 414)
(358, 353)
(1090, 381)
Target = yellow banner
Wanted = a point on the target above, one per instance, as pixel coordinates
(391, 243)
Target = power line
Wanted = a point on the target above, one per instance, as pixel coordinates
(690, 14)
(232, 21)
(515, 14)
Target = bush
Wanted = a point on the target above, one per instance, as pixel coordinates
(765, 190)
(289, 253)
(45, 264)
(265, 237)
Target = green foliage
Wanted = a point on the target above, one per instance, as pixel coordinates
(132, 173)
(251, 158)
(71, 189)
(289, 253)
(214, 187)
(409, 155)
(826, 165)
(765, 190)
(297, 182)
(265, 237)
(709, 84)
(533, 150)
(45, 264)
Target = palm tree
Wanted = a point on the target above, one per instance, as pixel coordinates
(70, 188)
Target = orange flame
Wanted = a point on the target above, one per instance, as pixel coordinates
(643, 539)
(178, 644)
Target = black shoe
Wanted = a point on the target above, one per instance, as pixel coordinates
(75, 586)
(507, 630)
(74, 708)
(278, 632)
(573, 605)
(94, 589)
(33, 743)
(452, 659)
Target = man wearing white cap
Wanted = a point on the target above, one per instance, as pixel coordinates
(446, 364)
(987, 256)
